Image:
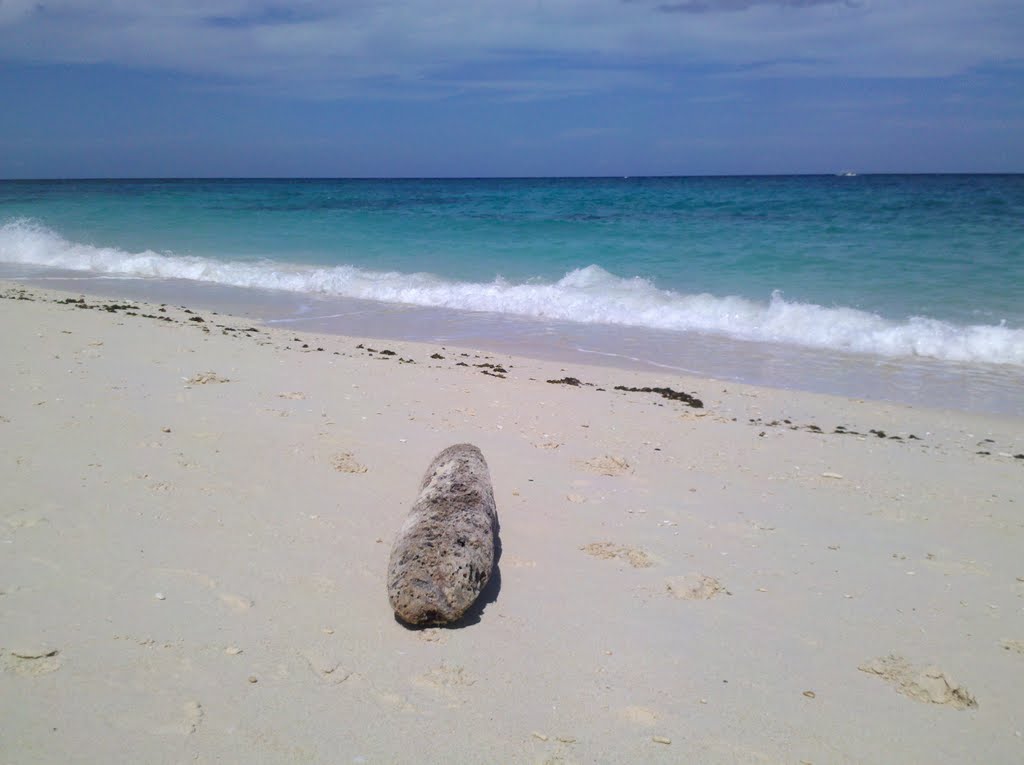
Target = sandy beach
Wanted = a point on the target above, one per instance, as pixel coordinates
(198, 513)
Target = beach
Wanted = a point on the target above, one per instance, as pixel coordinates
(199, 511)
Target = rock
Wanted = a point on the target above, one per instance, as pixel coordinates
(443, 555)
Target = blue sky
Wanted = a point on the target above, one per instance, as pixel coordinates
(118, 88)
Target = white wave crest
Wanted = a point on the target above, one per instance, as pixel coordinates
(588, 295)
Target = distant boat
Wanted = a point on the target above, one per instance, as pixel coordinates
(847, 174)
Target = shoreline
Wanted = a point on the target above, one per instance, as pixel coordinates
(983, 389)
(235, 304)
(200, 510)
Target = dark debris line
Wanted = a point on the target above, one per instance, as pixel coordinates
(570, 381)
(839, 430)
(671, 395)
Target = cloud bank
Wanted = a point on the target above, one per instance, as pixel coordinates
(512, 49)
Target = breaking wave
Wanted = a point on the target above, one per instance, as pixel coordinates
(587, 295)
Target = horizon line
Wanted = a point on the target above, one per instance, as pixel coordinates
(846, 173)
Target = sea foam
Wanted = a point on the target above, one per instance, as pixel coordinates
(587, 295)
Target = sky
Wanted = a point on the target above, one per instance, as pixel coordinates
(471, 88)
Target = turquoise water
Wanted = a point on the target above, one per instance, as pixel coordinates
(891, 267)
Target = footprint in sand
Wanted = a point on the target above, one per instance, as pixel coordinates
(237, 603)
(640, 716)
(1013, 646)
(318, 583)
(432, 635)
(445, 677)
(188, 723)
(24, 519)
(192, 712)
(634, 556)
(693, 587)
(394, 701)
(28, 662)
(293, 396)
(206, 378)
(346, 463)
(607, 465)
(954, 567)
(326, 666)
(929, 685)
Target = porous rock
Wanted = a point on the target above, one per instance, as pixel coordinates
(443, 555)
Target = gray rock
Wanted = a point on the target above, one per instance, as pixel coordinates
(443, 555)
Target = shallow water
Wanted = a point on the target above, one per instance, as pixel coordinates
(906, 288)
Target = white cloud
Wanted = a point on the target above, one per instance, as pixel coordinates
(513, 48)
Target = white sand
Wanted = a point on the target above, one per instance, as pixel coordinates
(194, 571)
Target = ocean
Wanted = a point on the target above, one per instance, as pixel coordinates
(905, 288)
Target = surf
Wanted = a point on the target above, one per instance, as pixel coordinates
(588, 295)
